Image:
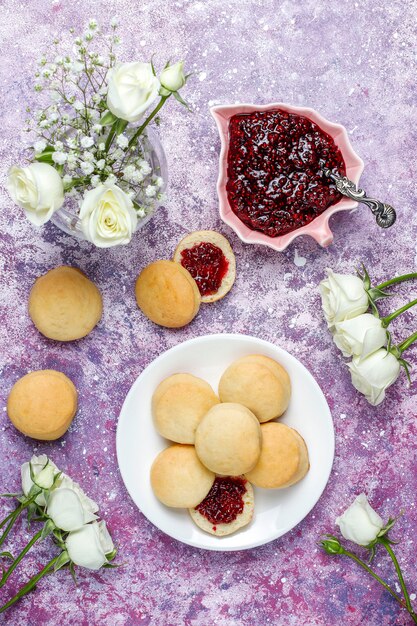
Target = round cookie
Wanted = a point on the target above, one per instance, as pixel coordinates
(221, 529)
(284, 458)
(42, 404)
(219, 241)
(259, 383)
(64, 304)
(179, 404)
(228, 439)
(178, 479)
(167, 294)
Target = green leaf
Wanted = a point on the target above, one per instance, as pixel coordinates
(72, 570)
(108, 119)
(181, 100)
(152, 65)
(62, 560)
(10, 495)
(47, 529)
(6, 555)
(120, 126)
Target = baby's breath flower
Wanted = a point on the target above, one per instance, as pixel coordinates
(78, 105)
(65, 118)
(88, 36)
(71, 142)
(111, 179)
(43, 61)
(122, 141)
(159, 181)
(97, 128)
(100, 164)
(141, 212)
(59, 157)
(77, 67)
(92, 24)
(67, 179)
(38, 87)
(44, 124)
(87, 168)
(114, 23)
(96, 98)
(150, 191)
(58, 145)
(53, 117)
(39, 146)
(88, 157)
(144, 167)
(78, 41)
(95, 180)
(87, 142)
(102, 146)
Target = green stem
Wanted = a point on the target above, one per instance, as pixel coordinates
(407, 342)
(13, 517)
(110, 136)
(17, 560)
(397, 279)
(372, 573)
(29, 585)
(388, 319)
(6, 519)
(149, 119)
(390, 551)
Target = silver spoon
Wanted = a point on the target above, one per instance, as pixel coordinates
(385, 214)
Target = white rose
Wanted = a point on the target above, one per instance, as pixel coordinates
(132, 87)
(360, 336)
(372, 376)
(343, 297)
(69, 507)
(107, 216)
(89, 545)
(360, 523)
(44, 472)
(172, 77)
(38, 189)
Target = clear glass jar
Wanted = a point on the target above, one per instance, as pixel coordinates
(153, 152)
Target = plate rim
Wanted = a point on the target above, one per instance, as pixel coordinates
(233, 337)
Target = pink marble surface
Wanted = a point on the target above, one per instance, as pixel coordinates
(352, 61)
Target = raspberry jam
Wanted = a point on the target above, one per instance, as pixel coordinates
(207, 265)
(224, 501)
(274, 166)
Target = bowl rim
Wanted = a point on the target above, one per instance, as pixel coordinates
(318, 228)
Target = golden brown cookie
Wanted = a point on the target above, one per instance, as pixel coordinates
(42, 404)
(167, 294)
(179, 404)
(207, 515)
(284, 458)
(64, 304)
(228, 439)
(259, 383)
(179, 479)
(191, 242)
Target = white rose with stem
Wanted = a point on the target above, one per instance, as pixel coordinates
(38, 476)
(91, 546)
(107, 216)
(38, 189)
(364, 334)
(378, 371)
(363, 526)
(346, 296)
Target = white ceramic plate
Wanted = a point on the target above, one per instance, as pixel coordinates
(276, 511)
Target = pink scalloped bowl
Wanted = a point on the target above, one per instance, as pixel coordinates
(318, 228)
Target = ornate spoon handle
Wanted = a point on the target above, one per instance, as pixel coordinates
(385, 214)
